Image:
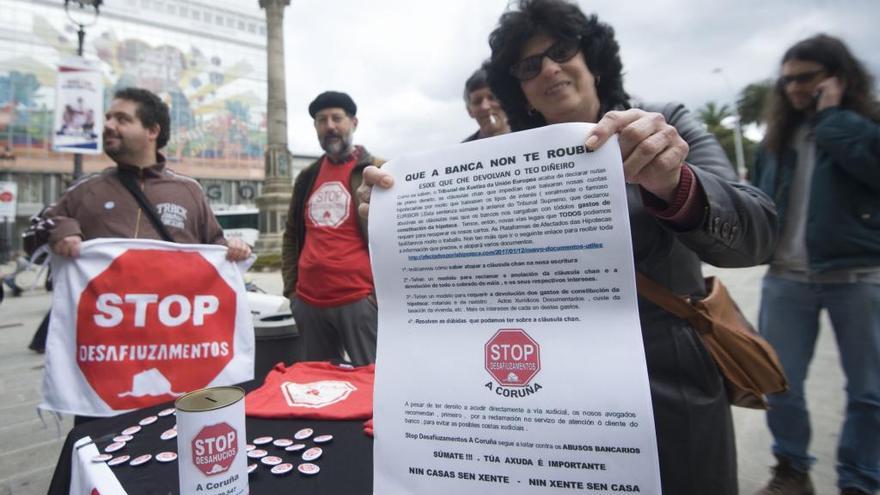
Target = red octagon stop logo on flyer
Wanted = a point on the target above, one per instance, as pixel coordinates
(513, 358)
(153, 325)
(214, 448)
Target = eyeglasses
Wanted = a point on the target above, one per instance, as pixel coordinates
(559, 52)
(802, 78)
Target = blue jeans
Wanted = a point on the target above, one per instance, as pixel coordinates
(789, 320)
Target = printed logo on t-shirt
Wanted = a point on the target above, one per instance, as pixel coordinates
(316, 394)
(172, 215)
(329, 205)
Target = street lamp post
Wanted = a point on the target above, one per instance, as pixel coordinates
(737, 130)
(82, 13)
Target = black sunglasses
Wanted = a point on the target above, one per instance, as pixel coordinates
(530, 67)
(802, 78)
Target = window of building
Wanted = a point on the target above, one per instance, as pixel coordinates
(252, 27)
(197, 15)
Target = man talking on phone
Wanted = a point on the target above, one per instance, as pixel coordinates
(820, 161)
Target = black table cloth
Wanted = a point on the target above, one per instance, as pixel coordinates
(346, 464)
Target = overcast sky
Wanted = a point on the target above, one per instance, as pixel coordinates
(405, 62)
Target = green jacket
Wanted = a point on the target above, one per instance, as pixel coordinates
(843, 217)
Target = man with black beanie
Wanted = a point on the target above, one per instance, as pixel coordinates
(325, 262)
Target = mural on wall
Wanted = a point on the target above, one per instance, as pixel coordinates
(216, 112)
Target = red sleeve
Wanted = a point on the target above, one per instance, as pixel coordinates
(685, 212)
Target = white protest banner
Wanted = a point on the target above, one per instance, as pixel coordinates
(79, 108)
(510, 355)
(139, 322)
(8, 200)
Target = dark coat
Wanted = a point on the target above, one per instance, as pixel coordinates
(692, 417)
(843, 217)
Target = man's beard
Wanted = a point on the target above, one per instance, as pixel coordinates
(336, 147)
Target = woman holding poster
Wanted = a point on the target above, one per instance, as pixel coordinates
(552, 64)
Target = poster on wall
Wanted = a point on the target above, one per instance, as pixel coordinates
(79, 108)
(8, 198)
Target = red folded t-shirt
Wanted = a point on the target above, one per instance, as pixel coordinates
(314, 390)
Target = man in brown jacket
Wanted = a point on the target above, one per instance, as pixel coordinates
(136, 126)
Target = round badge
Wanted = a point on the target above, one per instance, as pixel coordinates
(141, 459)
(308, 469)
(312, 454)
(295, 447)
(168, 434)
(257, 453)
(109, 205)
(262, 440)
(249, 447)
(303, 434)
(252, 468)
(123, 438)
(131, 430)
(148, 420)
(282, 468)
(113, 447)
(166, 456)
(166, 412)
(283, 442)
(102, 458)
(271, 460)
(322, 438)
(118, 460)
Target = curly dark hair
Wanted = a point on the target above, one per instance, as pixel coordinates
(478, 80)
(151, 110)
(564, 21)
(834, 56)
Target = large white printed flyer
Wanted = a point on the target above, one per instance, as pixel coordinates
(510, 356)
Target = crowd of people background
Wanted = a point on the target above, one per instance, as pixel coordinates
(811, 213)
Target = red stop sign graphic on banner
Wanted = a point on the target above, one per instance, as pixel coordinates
(6, 197)
(153, 325)
(214, 448)
(512, 357)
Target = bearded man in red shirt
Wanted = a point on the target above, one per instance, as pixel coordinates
(325, 260)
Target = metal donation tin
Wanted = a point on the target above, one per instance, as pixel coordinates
(211, 442)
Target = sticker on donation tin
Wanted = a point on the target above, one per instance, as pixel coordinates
(118, 460)
(102, 458)
(312, 454)
(295, 447)
(131, 430)
(308, 469)
(168, 434)
(261, 440)
(303, 434)
(252, 468)
(271, 460)
(257, 453)
(166, 412)
(283, 442)
(141, 459)
(282, 468)
(148, 420)
(113, 447)
(166, 456)
(323, 438)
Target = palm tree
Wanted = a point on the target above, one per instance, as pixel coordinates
(712, 115)
(752, 100)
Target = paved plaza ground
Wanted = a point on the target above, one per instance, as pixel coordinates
(29, 445)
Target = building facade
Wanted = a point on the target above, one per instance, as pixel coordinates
(207, 60)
